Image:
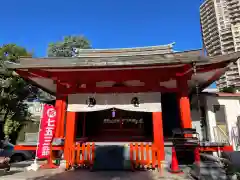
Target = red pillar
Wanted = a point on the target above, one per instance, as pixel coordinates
(61, 112)
(70, 132)
(158, 138)
(184, 103)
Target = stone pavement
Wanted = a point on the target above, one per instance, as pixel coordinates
(18, 172)
(60, 174)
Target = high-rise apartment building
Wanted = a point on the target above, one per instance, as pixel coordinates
(220, 24)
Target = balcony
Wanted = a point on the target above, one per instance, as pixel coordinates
(213, 28)
(234, 10)
(228, 42)
(223, 77)
(233, 6)
(221, 81)
(226, 32)
(207, 43)
(229, 49)
(221, 85)
(215, 50)
(208, 15)
(232, 72)
(234, 15)
(216, 42)
(215, 33)
(206, 33)
(212, 22)
(233, 79)
(228, 37)
(235, 19)
(232, 2)
(214, 36)
(233, 68)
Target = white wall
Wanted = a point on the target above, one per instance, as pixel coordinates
(196, 124)
(232, 110)
(35, 108)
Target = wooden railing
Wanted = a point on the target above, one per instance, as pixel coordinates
(144, 156)
(80, 155)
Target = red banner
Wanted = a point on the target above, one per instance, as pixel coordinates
(47, 131)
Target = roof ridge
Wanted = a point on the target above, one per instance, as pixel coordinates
(170, 45)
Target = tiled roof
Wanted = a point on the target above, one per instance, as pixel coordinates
(113, 52)
(156, 55)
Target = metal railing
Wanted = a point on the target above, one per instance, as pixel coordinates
(235, 137)
(220, 136)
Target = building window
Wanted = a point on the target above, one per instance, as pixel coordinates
(219, 111)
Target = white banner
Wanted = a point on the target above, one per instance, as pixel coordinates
(148, 102)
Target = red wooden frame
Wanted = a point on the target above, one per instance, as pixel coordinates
(56, 148)
(69, 82)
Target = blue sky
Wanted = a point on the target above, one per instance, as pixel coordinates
(106, 23)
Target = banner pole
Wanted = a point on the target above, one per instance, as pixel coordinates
(35, 165)
(39, 129)
(50, 164)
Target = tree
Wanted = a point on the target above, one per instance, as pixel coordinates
(67, 47)
(13, 91)
(229, 89)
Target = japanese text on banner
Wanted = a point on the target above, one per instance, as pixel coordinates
(47, 131)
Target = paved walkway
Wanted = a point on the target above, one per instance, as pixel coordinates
(86, 175)
(18, 172)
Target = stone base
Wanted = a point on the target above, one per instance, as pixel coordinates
(33, 167)
(62, 164)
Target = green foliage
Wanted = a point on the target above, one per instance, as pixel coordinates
(11, 126)
(229, 89)
(13, 91)
(12, 52)
(67, 47)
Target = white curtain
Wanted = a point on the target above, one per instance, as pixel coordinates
(149, 102)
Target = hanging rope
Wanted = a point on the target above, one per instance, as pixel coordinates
(198, 94)
(196, 86)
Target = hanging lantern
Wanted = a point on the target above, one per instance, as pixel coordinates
(91, 102)
(113, 113)
(135, 102)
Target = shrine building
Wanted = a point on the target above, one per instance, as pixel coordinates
(123, 95)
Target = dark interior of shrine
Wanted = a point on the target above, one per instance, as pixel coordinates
(119, 125)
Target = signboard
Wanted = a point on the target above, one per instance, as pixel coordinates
(113, 121)
(47, 131)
